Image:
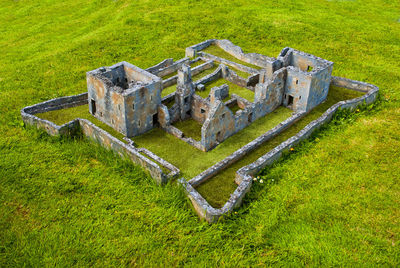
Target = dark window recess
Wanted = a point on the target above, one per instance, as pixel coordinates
(250, 117)
(219, 136)
(93, 104)
(139, 123)
(290, 100)
(297, 81)
(299, 97)
(155, 119)
(133, 106)
(186, 100)
(309, 68)
(188, 113)
(202, 111)
(223, 116)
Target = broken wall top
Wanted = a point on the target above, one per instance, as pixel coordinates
(124, 77)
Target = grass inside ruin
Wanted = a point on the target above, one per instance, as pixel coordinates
(217, 190)
(170, 89)
(233, 88)
(60, 117)
(219, 52)
(192, 161)
(190, 128)
(188, 159)
(71, 203)
(194, 64)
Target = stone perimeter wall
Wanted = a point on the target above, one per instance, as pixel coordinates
(244, 175)
(93, 132)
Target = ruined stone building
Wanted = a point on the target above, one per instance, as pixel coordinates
(129, 98)
(211, 94)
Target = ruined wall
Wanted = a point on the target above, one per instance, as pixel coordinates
(199, 109)
(269, 95)
(297, 89)
(67, 129)
(308, 79)
(269, 64)
(155, 68)
(184, 91)
(210, 77)
(244, 175)
(171, 68)
(164, 118)
(105, 103)
(319, 87)
(219, 125)
(105, 139)
(141, 108)
(124, 97)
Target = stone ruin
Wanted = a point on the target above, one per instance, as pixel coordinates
(129, 98)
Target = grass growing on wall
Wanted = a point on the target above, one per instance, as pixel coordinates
(65, 202)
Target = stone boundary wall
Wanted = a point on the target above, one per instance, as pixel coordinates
(252, 58)
(172, 68)
(244, 174)
(66, 129)
(180, 135)
(243, 151)
(108, 141)
(192, 50)
(210, 77)
(90, 130)
(243, 68)
(165, 63)
(236, 51)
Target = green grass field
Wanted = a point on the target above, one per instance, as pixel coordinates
(335, 201)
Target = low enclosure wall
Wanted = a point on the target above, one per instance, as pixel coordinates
(95, 133)
(244, 174)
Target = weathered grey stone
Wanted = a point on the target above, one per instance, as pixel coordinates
(124, 97)
(295, 79)
(200, 87)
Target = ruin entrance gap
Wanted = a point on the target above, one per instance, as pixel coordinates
(290, 100)
(93, 104)
(155, 119)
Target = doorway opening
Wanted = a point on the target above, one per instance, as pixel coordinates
(290, 100)
(93, 105)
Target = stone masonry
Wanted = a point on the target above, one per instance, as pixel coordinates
(128, 99)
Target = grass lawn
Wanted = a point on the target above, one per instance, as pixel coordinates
(190, 128)
(335, 201)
